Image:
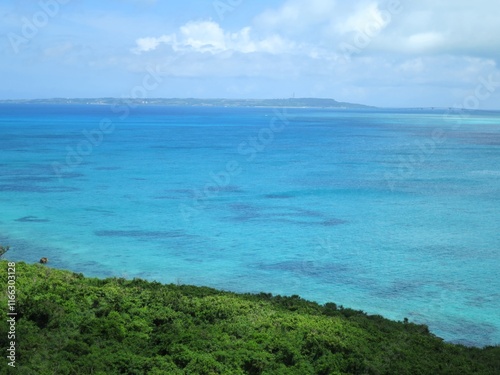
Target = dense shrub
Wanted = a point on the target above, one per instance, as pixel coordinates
(68, 324)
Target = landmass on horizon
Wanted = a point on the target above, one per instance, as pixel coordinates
(290, 102)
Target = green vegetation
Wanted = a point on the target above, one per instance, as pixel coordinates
(69, 324)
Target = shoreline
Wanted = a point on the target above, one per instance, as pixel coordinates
(115, 326)
(105, 273)
(102, 276)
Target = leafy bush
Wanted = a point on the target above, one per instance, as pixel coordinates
(70, 324)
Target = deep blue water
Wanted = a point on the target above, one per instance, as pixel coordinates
(395, 212)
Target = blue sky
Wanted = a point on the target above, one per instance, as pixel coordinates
(394, 53)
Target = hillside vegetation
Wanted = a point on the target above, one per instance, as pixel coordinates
(69, 324)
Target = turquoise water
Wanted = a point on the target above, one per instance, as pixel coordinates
(394, 212)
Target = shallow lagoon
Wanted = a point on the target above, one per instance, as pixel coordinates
(395, 212)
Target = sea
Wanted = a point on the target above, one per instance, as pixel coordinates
(394, 212)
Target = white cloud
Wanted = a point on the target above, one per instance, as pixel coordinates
(296, 15)
(456, 28)
(149, 44)
(425, 42)
(204, 36)
(363, 17)
(425, 53)
(208, 36)
(319, 28)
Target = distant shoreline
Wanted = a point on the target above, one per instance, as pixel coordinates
(307, 103)
(254, 103)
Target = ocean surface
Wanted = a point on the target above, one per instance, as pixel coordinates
(393, 212)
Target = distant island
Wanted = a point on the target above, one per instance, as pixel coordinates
(290, 102)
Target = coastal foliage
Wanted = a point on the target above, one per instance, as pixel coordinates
(70, 324)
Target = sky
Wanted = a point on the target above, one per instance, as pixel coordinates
(394, 53)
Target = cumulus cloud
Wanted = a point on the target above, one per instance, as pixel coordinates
(208, 36)
(319, 29)
(150, 43)
(457, 28)
(411, 48)
(401, 27)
